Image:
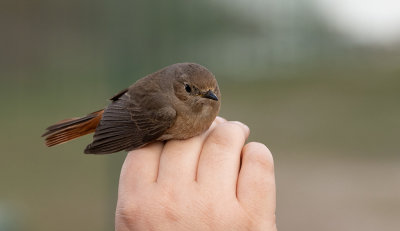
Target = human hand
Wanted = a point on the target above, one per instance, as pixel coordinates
(209, 182)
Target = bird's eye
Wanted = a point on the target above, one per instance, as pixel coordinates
(188, 88)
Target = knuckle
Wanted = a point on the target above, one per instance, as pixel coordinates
(169, 194)
(214, 214)
(207, 212)
(128, 213)
(171, 203)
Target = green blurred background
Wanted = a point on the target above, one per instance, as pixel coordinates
(317, 81)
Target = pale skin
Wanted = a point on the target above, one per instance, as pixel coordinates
(213, 181)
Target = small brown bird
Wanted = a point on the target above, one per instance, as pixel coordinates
(177, 102)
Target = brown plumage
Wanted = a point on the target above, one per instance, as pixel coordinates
(72, 128)
(178, 102)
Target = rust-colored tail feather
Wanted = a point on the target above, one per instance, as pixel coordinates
(69, 129)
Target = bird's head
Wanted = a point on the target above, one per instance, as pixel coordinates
(197, 88)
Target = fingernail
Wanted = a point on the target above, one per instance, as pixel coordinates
(244, 126)
(221, 118)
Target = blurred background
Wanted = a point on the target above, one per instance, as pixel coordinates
(317, 81)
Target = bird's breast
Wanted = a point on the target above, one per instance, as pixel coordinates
(189, 124)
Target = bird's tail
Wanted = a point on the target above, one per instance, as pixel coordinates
(69, 129)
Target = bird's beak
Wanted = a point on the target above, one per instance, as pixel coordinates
(210, 95)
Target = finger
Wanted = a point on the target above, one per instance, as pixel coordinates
(141, 166)
(220, 157)
(256, 183)
(179, 158)
(219, 120)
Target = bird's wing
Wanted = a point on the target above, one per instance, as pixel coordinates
(153, 123)
(119, 94)
(128, 124)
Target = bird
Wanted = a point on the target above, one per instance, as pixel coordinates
(179, 101)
